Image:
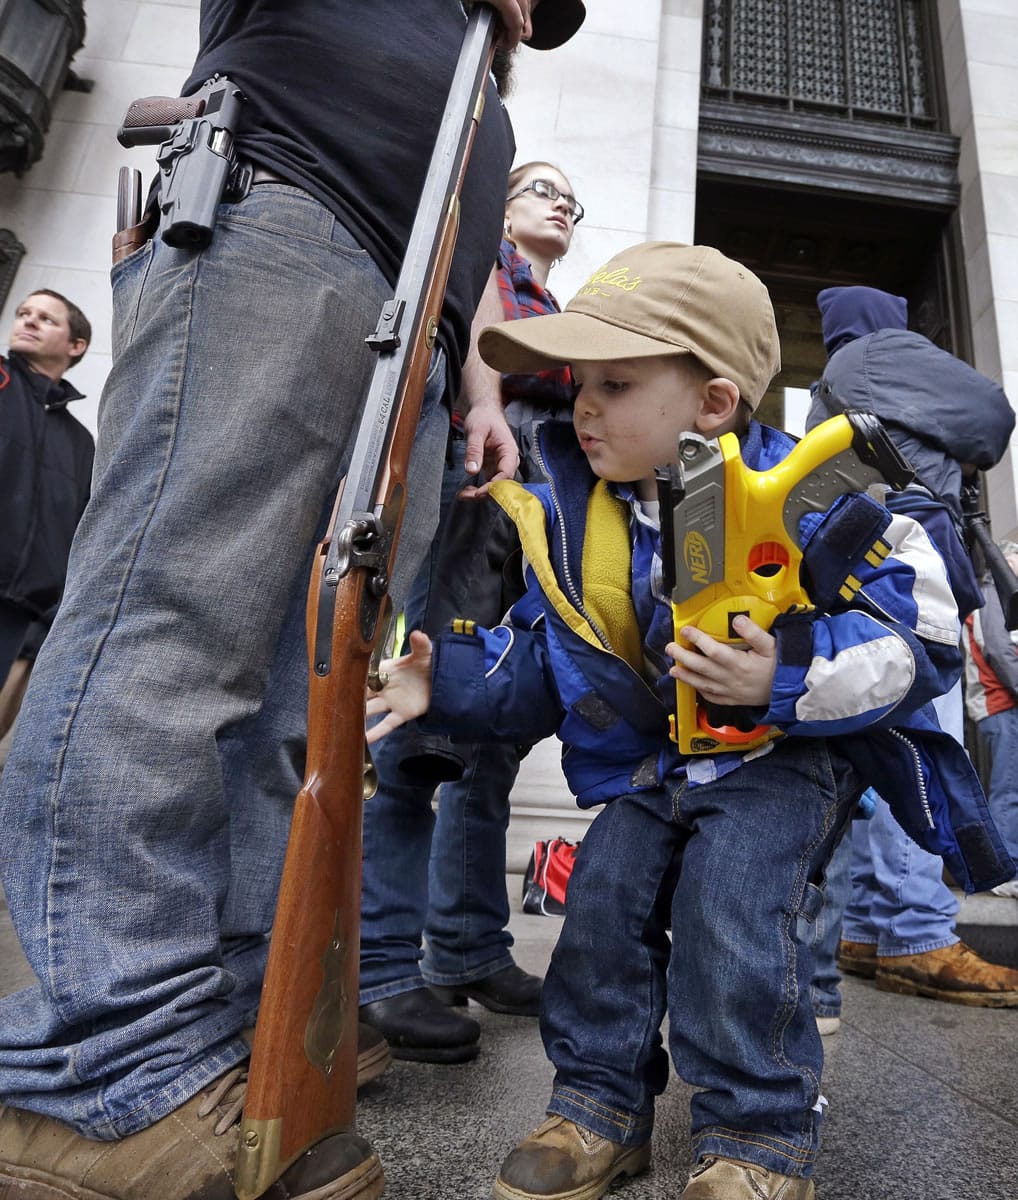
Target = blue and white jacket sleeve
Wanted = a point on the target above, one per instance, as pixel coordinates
(495, 684)
(884, 637)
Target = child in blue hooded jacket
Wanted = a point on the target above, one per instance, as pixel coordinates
(729, 849)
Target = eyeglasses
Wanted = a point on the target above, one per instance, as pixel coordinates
(545, 188)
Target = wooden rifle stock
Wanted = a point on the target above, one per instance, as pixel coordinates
(303, 1075)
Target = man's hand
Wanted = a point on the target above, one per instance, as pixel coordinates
(407, 690)
(726, 674)
(490, 445)
(490, 442)
(515, 19)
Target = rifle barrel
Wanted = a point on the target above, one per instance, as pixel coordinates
(1004, 579)
(302, 1080)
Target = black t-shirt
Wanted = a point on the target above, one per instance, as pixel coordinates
(344, 98)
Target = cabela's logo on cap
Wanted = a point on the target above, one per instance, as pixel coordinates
(617, 278)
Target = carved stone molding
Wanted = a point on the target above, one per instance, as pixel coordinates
(815, 152)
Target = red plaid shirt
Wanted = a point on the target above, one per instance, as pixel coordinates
(522, 296)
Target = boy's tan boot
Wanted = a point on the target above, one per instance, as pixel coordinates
(188, 1155)
(953, 973)
(719, 1178)
(563, 1161)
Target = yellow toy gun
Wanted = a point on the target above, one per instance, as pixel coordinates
(730, 543)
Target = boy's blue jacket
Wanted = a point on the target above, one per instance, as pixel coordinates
(569, 658)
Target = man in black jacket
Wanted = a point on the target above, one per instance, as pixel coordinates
(45, 463)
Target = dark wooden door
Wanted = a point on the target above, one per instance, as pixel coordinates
(800, 241)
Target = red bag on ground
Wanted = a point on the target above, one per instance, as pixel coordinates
(547, 877)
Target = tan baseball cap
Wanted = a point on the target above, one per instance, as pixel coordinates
(655, 298)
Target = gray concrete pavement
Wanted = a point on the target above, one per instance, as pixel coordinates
(923, 1095)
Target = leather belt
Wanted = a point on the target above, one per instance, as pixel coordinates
(264, 175)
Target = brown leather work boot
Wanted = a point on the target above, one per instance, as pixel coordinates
(563, 1161)
(188, 1155)
(953, 973)
(728, 1179)
(858, 958)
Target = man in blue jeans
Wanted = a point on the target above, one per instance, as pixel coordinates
(146, 801)
(991, 701)
(898, 926)
(438, 873)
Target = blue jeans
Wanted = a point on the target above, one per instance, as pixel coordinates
(734, 864)
(825, 932)
(147, 797)
(1000, 732)
(898, 900)
(884, 890)
(441, 877)
(434, 906)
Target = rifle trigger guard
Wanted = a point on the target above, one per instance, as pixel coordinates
(377, 678)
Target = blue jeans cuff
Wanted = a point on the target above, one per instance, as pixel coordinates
(787, 1156)
(896, 950)
(394, 987)
(623, 1128)
(827, 1010)
(171, 1097)
(468, 975)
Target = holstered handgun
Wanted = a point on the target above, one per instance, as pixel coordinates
(730, 542)
(198, 166)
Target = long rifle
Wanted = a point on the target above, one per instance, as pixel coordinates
(302, 1081)
(977, 527)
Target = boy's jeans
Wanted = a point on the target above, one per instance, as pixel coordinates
(735, 864)
(146, 802)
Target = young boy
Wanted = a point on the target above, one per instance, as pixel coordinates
(727, 850)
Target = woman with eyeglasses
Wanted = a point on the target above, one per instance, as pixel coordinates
(435, 905)
(541, 213)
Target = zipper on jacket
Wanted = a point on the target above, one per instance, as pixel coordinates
(920, 781)
(574, 594)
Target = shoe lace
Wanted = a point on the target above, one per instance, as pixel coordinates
(227, 1094)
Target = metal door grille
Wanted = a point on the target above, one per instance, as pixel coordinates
(855, 59)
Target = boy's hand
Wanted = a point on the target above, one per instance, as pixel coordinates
(725, 674)
(407, 690)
